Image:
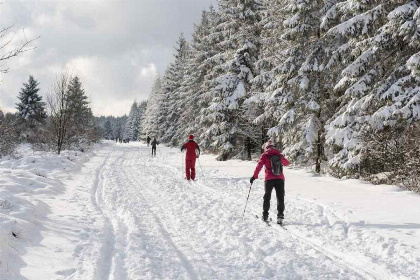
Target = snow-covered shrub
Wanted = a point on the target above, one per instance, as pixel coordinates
(391, 155)
(9, 135)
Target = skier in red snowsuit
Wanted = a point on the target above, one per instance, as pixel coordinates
(193, 152)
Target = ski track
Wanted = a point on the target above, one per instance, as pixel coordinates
(361, 267)
(341, 259)
(145, 221)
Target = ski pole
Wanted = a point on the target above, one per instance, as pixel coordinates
(247, 201)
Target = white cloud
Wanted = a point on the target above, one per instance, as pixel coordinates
(116, 47)
(148, 72)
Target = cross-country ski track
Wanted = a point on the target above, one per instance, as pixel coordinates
(126, 215)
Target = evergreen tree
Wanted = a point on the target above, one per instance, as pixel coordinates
(81, 117)
(141, 116)
(31, 108)
(377, 82)
(172, 99)
(197, 67)
(215, 57)
(316, 75)
(134, 120)
(150, 124)
(78, 103)
(240, 31)
(108, 131)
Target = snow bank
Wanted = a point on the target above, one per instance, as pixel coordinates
(25, 180)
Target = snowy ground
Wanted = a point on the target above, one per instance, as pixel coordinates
(117, 213)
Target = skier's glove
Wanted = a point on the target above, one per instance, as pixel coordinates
(252, 180)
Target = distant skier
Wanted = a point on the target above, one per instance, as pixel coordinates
(273, 161)
(193, 152)
(154, 144)
(148, 140)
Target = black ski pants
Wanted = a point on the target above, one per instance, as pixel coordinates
(278, 185)
(153, 151)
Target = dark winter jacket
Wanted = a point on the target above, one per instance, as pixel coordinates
(192, 148)
(148, 139)
(154, 143)
(265, 161)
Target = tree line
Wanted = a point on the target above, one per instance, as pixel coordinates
(63, 121)
(125, 128)
(335, 83)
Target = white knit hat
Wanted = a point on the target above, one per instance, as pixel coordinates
(268, 144)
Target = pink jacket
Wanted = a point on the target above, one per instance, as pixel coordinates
(265, 161)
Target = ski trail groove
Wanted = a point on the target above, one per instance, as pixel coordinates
(363, 269)
(170, 238)
(121, 232)
(156, 225)
(105, 263)
(361, 264)
(189, 267)
(336, 256)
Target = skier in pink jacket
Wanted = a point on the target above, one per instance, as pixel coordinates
(273, 161)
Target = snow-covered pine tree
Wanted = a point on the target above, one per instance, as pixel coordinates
(82, 122)
(108, 131)
(172, 99)
(240, 32)
(377, 84)
(197, 67)
(150, 121)
(31, 108)
(277, 65)
(119, 127)
(296, 91)
(141, 115)
(213, 67)
(265, 107)
(132, 125)
(314, 102)
(78, 102)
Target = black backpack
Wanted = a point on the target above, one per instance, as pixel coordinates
(276, 166)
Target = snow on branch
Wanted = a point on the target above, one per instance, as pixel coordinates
(360, 24)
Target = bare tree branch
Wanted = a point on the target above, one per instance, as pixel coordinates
(58, 107)
(23, 46)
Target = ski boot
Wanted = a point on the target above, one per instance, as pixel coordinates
(264, 217)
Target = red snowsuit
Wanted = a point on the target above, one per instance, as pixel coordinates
(191, 146)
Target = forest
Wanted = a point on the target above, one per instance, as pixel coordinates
(335, 83)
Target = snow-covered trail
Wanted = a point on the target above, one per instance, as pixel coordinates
(125, 215)
(147, 222)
